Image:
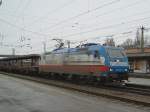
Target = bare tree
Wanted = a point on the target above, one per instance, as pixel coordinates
(129, 43)
(137, 41)
(110, 42)
(147, 41)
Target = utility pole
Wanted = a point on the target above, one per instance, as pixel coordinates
(13, 51)
(68, 43)
(44, 47)
(142, 39)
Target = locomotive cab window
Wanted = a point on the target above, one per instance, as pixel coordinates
(96, 54)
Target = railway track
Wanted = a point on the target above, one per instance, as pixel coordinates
(130, 93)
(131, 88)
(140, 89)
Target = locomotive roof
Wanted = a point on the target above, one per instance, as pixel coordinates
(87, 45)
(21, 57)
(83, 46)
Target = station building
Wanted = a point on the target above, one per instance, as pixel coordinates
(139, 59)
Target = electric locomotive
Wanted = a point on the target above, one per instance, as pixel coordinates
(91, 60)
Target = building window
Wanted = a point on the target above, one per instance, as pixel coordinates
(137, 65)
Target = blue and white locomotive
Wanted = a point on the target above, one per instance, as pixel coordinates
(91, 60)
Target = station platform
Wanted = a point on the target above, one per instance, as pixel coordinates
(18, 95)
(140, 75)
(140, 81)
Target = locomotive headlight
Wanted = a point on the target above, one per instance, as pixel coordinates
(118, 60)
(126, 70)
(111, 70)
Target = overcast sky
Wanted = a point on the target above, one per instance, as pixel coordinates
(26, 24)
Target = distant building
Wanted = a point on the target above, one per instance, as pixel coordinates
(139, 59)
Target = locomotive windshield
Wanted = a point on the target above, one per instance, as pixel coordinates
(116, 53)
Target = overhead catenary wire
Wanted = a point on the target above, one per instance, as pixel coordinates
(103, 14)
(18, 6)
(120, 8)
(51, 12)
(113, 34)
(22, 9)
(82, 13)
(42, 34)
(125, 33)
(105, 27)
(21, 28)
(135, 27)
(46, 35)
(97, 37)
(137, 14)
(25, 7)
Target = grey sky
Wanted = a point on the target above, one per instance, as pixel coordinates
(26, 24)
